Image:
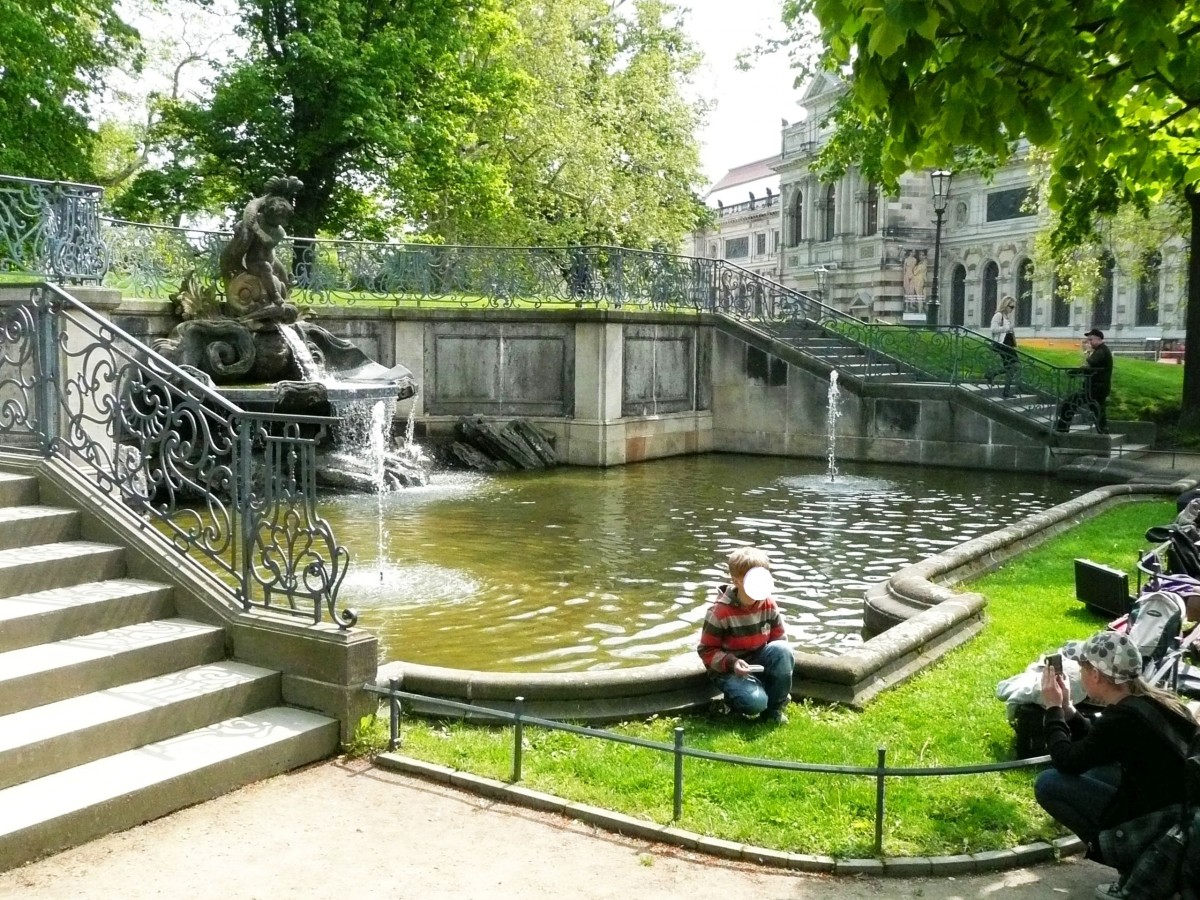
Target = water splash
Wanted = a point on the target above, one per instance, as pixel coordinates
(834, 411)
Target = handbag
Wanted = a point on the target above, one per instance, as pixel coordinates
(1010, 339)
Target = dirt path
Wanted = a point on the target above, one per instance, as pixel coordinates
(343, 830)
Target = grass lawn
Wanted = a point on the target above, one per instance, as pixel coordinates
(947, 715)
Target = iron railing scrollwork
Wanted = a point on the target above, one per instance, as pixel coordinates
(51, 229)
(234, 490)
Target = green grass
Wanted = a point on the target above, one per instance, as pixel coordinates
(1142, 390)
(947, 715)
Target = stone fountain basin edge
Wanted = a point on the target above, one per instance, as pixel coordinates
(912, 619)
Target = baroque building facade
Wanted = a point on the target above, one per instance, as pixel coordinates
(872, 255)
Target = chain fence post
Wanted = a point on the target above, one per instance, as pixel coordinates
(678, 812)
(881, 766)
(518, 739)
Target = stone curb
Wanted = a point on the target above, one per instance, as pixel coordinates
(888, 867)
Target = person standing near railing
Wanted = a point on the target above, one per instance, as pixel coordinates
(1005, 344)
(743, 640)
(1097, 374)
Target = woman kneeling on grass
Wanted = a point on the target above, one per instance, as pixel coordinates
(1125, 765)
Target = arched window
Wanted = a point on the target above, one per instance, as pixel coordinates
(830, 210)
(1025, 294)
(796, 219)
(870, 216)
(991, 279)
(958, 295)
(1060, 303)
(1103, 305)
(1147, 295)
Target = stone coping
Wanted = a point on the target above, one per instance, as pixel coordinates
(924, 618)
(893, 866)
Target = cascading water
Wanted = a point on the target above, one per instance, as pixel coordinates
(310, 369)
(834, 410)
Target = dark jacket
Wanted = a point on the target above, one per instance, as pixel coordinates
(1098, 370)
(1152, 769)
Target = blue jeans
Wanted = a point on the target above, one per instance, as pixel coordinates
(769, 689)
(1078, 801)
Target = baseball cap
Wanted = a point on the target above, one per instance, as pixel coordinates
(1095, 332)
(758, 584)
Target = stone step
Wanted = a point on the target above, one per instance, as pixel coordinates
(45, 616)
(23, 526)
(24, 570)
(18, 490)
(37, 742)
(117, 792)
(33, 676)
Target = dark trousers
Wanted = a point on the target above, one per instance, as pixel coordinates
(1084, 398)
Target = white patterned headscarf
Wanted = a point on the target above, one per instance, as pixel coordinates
(1114, 655)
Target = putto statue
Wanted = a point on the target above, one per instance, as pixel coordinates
(252, 276)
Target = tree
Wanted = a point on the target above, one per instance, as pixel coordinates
(603, 151)
(1110, 88)
(363, 101)
(53, 59)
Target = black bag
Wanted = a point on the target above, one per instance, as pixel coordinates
(1010, 339)
(1029, 730)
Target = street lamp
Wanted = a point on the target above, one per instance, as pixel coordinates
(822, 275)
(941, 195)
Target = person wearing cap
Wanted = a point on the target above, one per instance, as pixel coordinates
(743, 628)
(1127, 763)
(1097, 382)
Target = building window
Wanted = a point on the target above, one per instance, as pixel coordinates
(1013, 203)
(760, 244)
(1102, 307)
(775, 240)
(737, 248)
(1060, 303)
(958, 295)
(830, 210)
(1025, 293)
(795, 218)
(870, 218)
(1147, 295)
(991, 279)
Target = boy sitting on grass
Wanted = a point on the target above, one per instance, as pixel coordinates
(743, 642)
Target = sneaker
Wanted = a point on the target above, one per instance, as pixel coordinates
(1109, 891)
(775, 717)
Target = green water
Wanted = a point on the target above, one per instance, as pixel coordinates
(586, 569)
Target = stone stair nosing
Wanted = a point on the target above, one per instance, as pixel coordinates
(116, 792)
(42, 567)
(42, 617)
(18, 489)
(34, 676)
(41, 740)
(22, 526)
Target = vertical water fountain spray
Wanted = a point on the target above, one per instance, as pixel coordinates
(831, 423)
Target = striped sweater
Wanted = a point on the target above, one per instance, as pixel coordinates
(731, 632)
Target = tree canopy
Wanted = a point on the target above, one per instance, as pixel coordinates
(484, 121)
(53, 56)
(1110, 89)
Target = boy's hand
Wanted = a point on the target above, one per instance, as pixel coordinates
(741, 667)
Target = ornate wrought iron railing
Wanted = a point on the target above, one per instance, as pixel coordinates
(51, 229)
(233, 489)
(152, 261)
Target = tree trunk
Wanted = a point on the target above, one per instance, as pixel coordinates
(1189, 417)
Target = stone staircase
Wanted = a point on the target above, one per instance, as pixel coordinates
(114, 710)
(848, 358)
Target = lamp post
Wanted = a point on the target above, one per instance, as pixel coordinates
(822, 275)
(941, 195)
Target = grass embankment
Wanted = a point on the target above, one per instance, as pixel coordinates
(947, 715)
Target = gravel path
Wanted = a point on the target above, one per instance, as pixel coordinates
(342, 830)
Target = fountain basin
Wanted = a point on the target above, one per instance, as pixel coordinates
(932, 619)
(309, 397)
